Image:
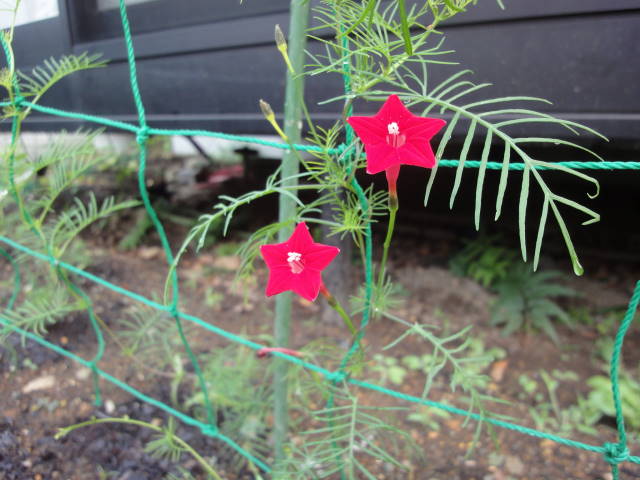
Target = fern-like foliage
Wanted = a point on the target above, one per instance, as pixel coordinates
(150, 335)
(526, 301)
(458, 354)
(164, 445)
(80, 156)
(237, 386)
(75, 219)
(45, 76)
(377, 54)
(479, 117)
(43, 307)
(346, 438)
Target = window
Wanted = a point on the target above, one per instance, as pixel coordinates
(99, 19)
(29, 11)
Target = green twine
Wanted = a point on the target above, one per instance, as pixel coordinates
(334, 377)
(618, 453)
(340, 149)
(348, 160)
(205, 429)
(19, 102)
(142, 135)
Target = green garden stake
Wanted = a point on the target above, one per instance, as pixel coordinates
(299, 15)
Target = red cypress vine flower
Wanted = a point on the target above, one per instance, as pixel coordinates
(297, 264)
(394, 137)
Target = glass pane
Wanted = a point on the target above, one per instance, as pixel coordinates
(29, 11)
(104, 5)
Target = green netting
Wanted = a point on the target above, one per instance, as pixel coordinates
(613, 453)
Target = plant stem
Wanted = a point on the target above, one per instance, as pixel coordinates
(393, 210)
(333, 303)
(66, 430)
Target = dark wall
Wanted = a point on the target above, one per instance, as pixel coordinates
(203, 67)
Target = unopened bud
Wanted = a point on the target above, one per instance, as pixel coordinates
(266, 110)
(280, 40)
(281, 43)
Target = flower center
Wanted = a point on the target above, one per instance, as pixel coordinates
(395, 139)
(295, 262)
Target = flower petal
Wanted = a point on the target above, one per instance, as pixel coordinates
(307, 284)
(393, 110)
(424, 128)
(318, 256)
(417, 153)
(280, 280)
(275, 255)
(370, 129)
(380, 157)
(300, 239)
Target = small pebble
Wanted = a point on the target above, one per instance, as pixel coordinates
(40, 383)
(109, 407)
(514, 465)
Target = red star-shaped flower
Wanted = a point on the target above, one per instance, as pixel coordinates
(297, 263)
(395, 136)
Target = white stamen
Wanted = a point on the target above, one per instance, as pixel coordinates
(393, 128)
(295, 262)
(293, 257)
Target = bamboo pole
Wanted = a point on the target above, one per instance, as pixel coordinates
(299, 15)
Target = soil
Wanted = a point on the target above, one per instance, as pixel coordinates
(47, 392)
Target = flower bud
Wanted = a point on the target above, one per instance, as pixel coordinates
(266, 110)
(281, 43)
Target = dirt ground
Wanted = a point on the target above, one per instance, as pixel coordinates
(48, 392)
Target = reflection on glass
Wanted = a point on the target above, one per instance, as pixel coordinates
(29, 11)
(111, 4)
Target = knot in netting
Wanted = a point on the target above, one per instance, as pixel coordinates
(173, 310)
(19, 102)
(142, 135)
(209, 430)
(614, 453)
(341, 148)
(54, 262)
(336, 377)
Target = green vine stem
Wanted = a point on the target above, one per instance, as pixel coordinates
(333, 303)
(184, 445)
(393, 210)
